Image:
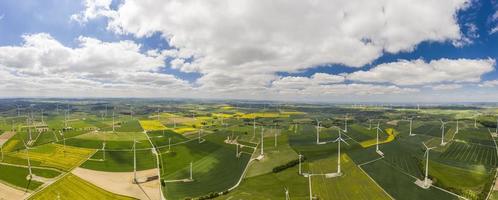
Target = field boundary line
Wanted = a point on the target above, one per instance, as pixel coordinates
(62, 175)
(244, 172)
(33, 167)
(496, 171)
(359, 166)
(158, 168)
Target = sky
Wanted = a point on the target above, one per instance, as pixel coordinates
(307, 50)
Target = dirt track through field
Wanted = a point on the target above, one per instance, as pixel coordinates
(6, 136)
(121, 182)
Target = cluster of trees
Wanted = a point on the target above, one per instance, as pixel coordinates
(209, 196)
(287, 165)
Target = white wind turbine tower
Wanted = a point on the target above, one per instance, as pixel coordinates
(191, 178)
(113, 121)
(442, 132)
(30, 175)
(300, 170)
(275, 133)
(103, 151)
(338, 140)
(254, 127)
(457, 125)
(317, 131)
(411, 122)
(377, 144)
(28, 125)
(345, 123)
(426, 183)
(287, 197)
(262, 141)
(135, 161)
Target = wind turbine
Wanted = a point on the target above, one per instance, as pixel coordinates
(29, 129)
(103, 151)
(276, 139)
(135, 161)
(377, 144)
(237, 150)
(262, 141)
(475, 121)
(191, 177)
(300, 157)
(345, 123)
(287, 197)
(43, 122)
(442, 132)
(113, 121)
(411, 122)
(254, 127)
(30, 175)
(338, 140)
(427, 182)
(63, 141)
(457, 125)
(317, 131)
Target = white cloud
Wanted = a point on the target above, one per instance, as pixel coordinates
(94, 8)
(490, 83)
(246, 38)
(446, 87)
(419, 72)
(43, 64)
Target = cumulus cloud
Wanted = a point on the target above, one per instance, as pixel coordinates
(259, 38)
(41, 63)
(446, 87)
(419, 72)
(490, 83)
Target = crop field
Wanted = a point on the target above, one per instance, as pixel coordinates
(152, 125)
(465, 166)
(121, 161)
(215, 167)
(73, 187)
(16, 176)
(275, 156)
(391, 134)
(56, 156)
(129, 126)
(471, 183)
(271, 186)
(470, 154)
(400, 185)
(360, 186)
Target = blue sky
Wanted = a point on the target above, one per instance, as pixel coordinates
(208, 66)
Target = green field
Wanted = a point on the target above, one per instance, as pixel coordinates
(121, 161)
(16, 176)
(215, 167)
(72, 187)
(360, 186)
(56, 156)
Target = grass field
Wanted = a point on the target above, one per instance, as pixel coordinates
(354, 184)
(152, 125)
(17, 176)
(56, 156)
(72, 187)
(129, 126)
